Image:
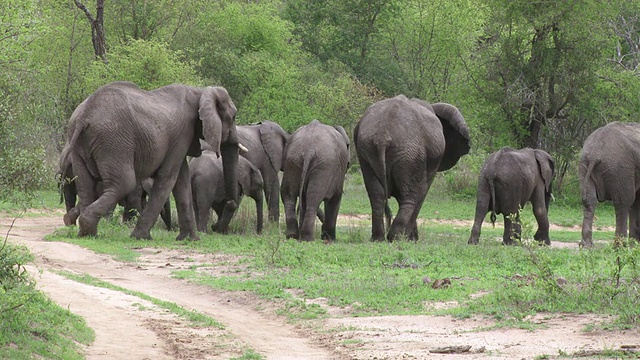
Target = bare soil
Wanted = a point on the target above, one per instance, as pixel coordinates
(128, 327)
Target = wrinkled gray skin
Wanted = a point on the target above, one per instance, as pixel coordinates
(609, 170)
(207, 186)
(401, 144)
(121, 135)
(265, 143)
(315, 164)
(133, 203)
(508, 180)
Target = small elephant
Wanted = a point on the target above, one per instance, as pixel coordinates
(265, 143)
(315, 164)
(508, 180)
(207, 187)
(122, 134)
(608, 169)
(401, 144)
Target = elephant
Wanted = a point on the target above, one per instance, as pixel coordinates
(133, 203)
(508, 180)
(207, 186)
(608, 170)
(265, 143)
(122, 134)
(401, 144)
(315, 164)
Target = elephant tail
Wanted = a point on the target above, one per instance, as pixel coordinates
(303, 181)
(588, 181)
(492, 190)
(382, 177)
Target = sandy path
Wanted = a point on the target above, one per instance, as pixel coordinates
(123, 330)
(130, 328)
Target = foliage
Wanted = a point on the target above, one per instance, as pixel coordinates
(147, 63)
(30, 324)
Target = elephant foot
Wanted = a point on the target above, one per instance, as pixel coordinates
(586, 243)
(292, 235)
(328, 235)
(70, 217)
(87, 227)
(141, 234)
(187, 235)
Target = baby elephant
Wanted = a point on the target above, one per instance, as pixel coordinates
(315, 163)
(508, 180)
(207, 188)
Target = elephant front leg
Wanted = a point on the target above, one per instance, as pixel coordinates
(634, 219)
(271, 192)
(622, 217)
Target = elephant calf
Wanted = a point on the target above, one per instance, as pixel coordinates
(508, 180)
(208, 189)
(315, 164)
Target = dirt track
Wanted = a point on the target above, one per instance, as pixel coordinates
(128, 327)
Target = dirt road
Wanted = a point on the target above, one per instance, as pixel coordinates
(128, 327)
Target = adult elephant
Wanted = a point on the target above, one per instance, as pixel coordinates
(401, 144)
(315, 164)
(133, 203)
(508, 180)
(265, 143)
(121, 135)
(609, 169)
(207, 185)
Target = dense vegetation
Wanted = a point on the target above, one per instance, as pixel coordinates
(541, 74)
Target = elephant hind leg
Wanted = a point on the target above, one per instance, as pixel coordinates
(332, 207)
(540, 212)
(512, 229)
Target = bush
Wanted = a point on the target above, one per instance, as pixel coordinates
(462, 180)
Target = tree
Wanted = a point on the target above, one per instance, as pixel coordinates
(534, 61)
(97, 28)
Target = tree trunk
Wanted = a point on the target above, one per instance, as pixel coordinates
(97, 28)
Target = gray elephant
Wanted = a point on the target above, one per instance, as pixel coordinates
(133, 203)
(608, 169)
(121, 135)
(508, 180)
(315, 164)
(207, 186)
(401, 144)
(265, 143)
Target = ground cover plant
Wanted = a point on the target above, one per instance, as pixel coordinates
(403, 277)
(31, 324)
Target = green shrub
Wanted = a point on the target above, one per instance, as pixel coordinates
(462, 179)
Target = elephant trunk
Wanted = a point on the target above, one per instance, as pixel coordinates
(229, 152)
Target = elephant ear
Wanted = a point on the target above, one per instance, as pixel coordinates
(274, 140)
(456, 134)
(546, 165)
(340, 129)
(217, 112)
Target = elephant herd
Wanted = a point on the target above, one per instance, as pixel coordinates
(135, 147)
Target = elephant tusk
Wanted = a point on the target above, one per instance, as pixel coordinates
(242, 147)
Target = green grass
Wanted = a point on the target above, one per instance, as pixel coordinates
(31, 325)
(194, 317)
(507, 283)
